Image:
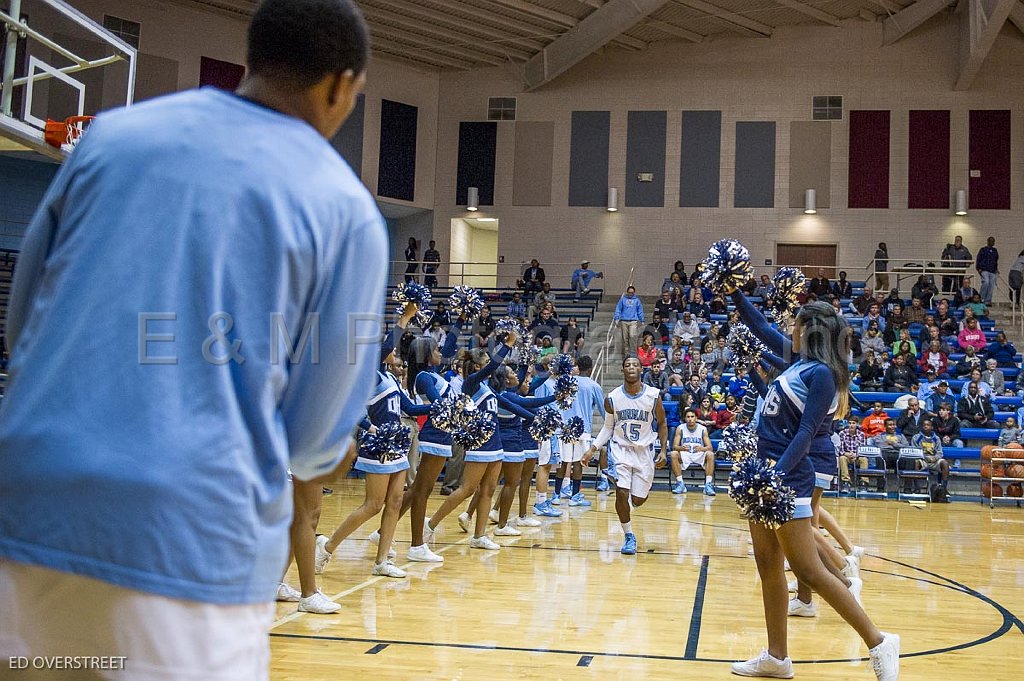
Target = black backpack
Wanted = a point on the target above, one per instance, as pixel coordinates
(938, 494)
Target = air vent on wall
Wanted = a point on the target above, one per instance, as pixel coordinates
(501, 108)
(827, 107)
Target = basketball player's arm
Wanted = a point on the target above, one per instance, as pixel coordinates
(776, 342)
(821, 389)
(606, 432)
(677, 440)
(707, 442)
(659, 413)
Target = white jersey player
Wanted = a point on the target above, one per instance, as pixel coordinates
(633, 411)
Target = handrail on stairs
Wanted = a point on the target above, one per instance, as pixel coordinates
(604, 354)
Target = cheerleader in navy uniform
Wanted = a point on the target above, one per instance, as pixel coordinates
(385, 478)
(435, 445)
(795, 422)
(514, 412)
(482, 462)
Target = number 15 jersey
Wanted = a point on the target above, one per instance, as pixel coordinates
(634, 417)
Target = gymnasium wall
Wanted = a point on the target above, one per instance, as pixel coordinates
(22, 186)
(758, 93)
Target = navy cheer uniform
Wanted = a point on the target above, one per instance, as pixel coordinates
(386, 406)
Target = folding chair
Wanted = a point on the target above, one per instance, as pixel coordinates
(875, 470)
(907, 473)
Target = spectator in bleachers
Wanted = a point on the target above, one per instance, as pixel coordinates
(516, 307)
(695, 388)
(984, 389)
(657, 328)
(873, 340)
(718, 304)
(889, 304)
(629, 317)
(987, 265)
(571, 337)
(410, 257)
(483, 327)
(435, 331)
(727, 412)
(667, 308)
(680, 269)
(677, 368)
(850, 440)
(705, 412)
(874, 423)
(890, 442)
(975, 410)
(969, 362)
(443, 315)
(965, 292)
(674, 283)
(547, 346)
(656, 378)
(933, 359)
(940, 394)
(909, 422)
(837, 306)
(924, 290)
(697, 286)
(960, 257)
(1015, 279)
(874, 315)
(931, 445)
(1010, 432)
(932, 333)
(916, 313)
(739, 384)
(948, 325)
(431, 257)
(698, 308)
(968, 314)
(882, 266)
(581, 278)
(545, 325)
(647, 353)
(841, 288)
(861, 303)
(1020, 387)
(972, 336)
(947, 426)
(687, 329)
(533, 278)
(731, 321)
(898, 377)
(977, 307)
(1002, 351)
(749, 287)
(870, 372)
(763, 287)
(719, 357)
(904, 344)
(994, 377)
(541, 298)
(820, 285)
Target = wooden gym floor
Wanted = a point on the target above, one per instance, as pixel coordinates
(560, 602)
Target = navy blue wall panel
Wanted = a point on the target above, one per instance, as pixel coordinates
(700, 159)
(396, 171)
(588, 158)
(478, 144)
(645, 153)
(755, 165)
(349, 140)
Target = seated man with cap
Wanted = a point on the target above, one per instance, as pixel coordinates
(581, 278)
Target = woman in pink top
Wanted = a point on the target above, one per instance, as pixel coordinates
(972, 335)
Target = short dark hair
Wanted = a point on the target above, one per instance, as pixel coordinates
(585, 363)
(301, 41)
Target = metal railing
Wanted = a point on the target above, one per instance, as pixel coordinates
(604, 352)
(486, 275)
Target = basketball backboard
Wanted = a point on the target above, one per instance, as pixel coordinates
(56, 63)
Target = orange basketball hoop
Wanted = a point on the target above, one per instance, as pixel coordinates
(66, 132)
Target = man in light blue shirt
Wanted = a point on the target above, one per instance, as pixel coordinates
(629, 317)
(196, 311)
(581, 278)
(589, 399)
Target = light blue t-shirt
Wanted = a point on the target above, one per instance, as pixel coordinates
(590, 397)
(153, 410)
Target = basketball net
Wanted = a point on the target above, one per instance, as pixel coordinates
(66, 133)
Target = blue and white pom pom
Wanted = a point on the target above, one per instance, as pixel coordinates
(566, 388)
(446, 414)
(739, 441)
(528, 354)
(727, 266)
(475, 430)
(758, 490)
(411, 292)
(545, 423)
(466, 302)
(745, 346)
(787, 286)
(391, 441)
(508, 325)
(561, 365)
(572, 431)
